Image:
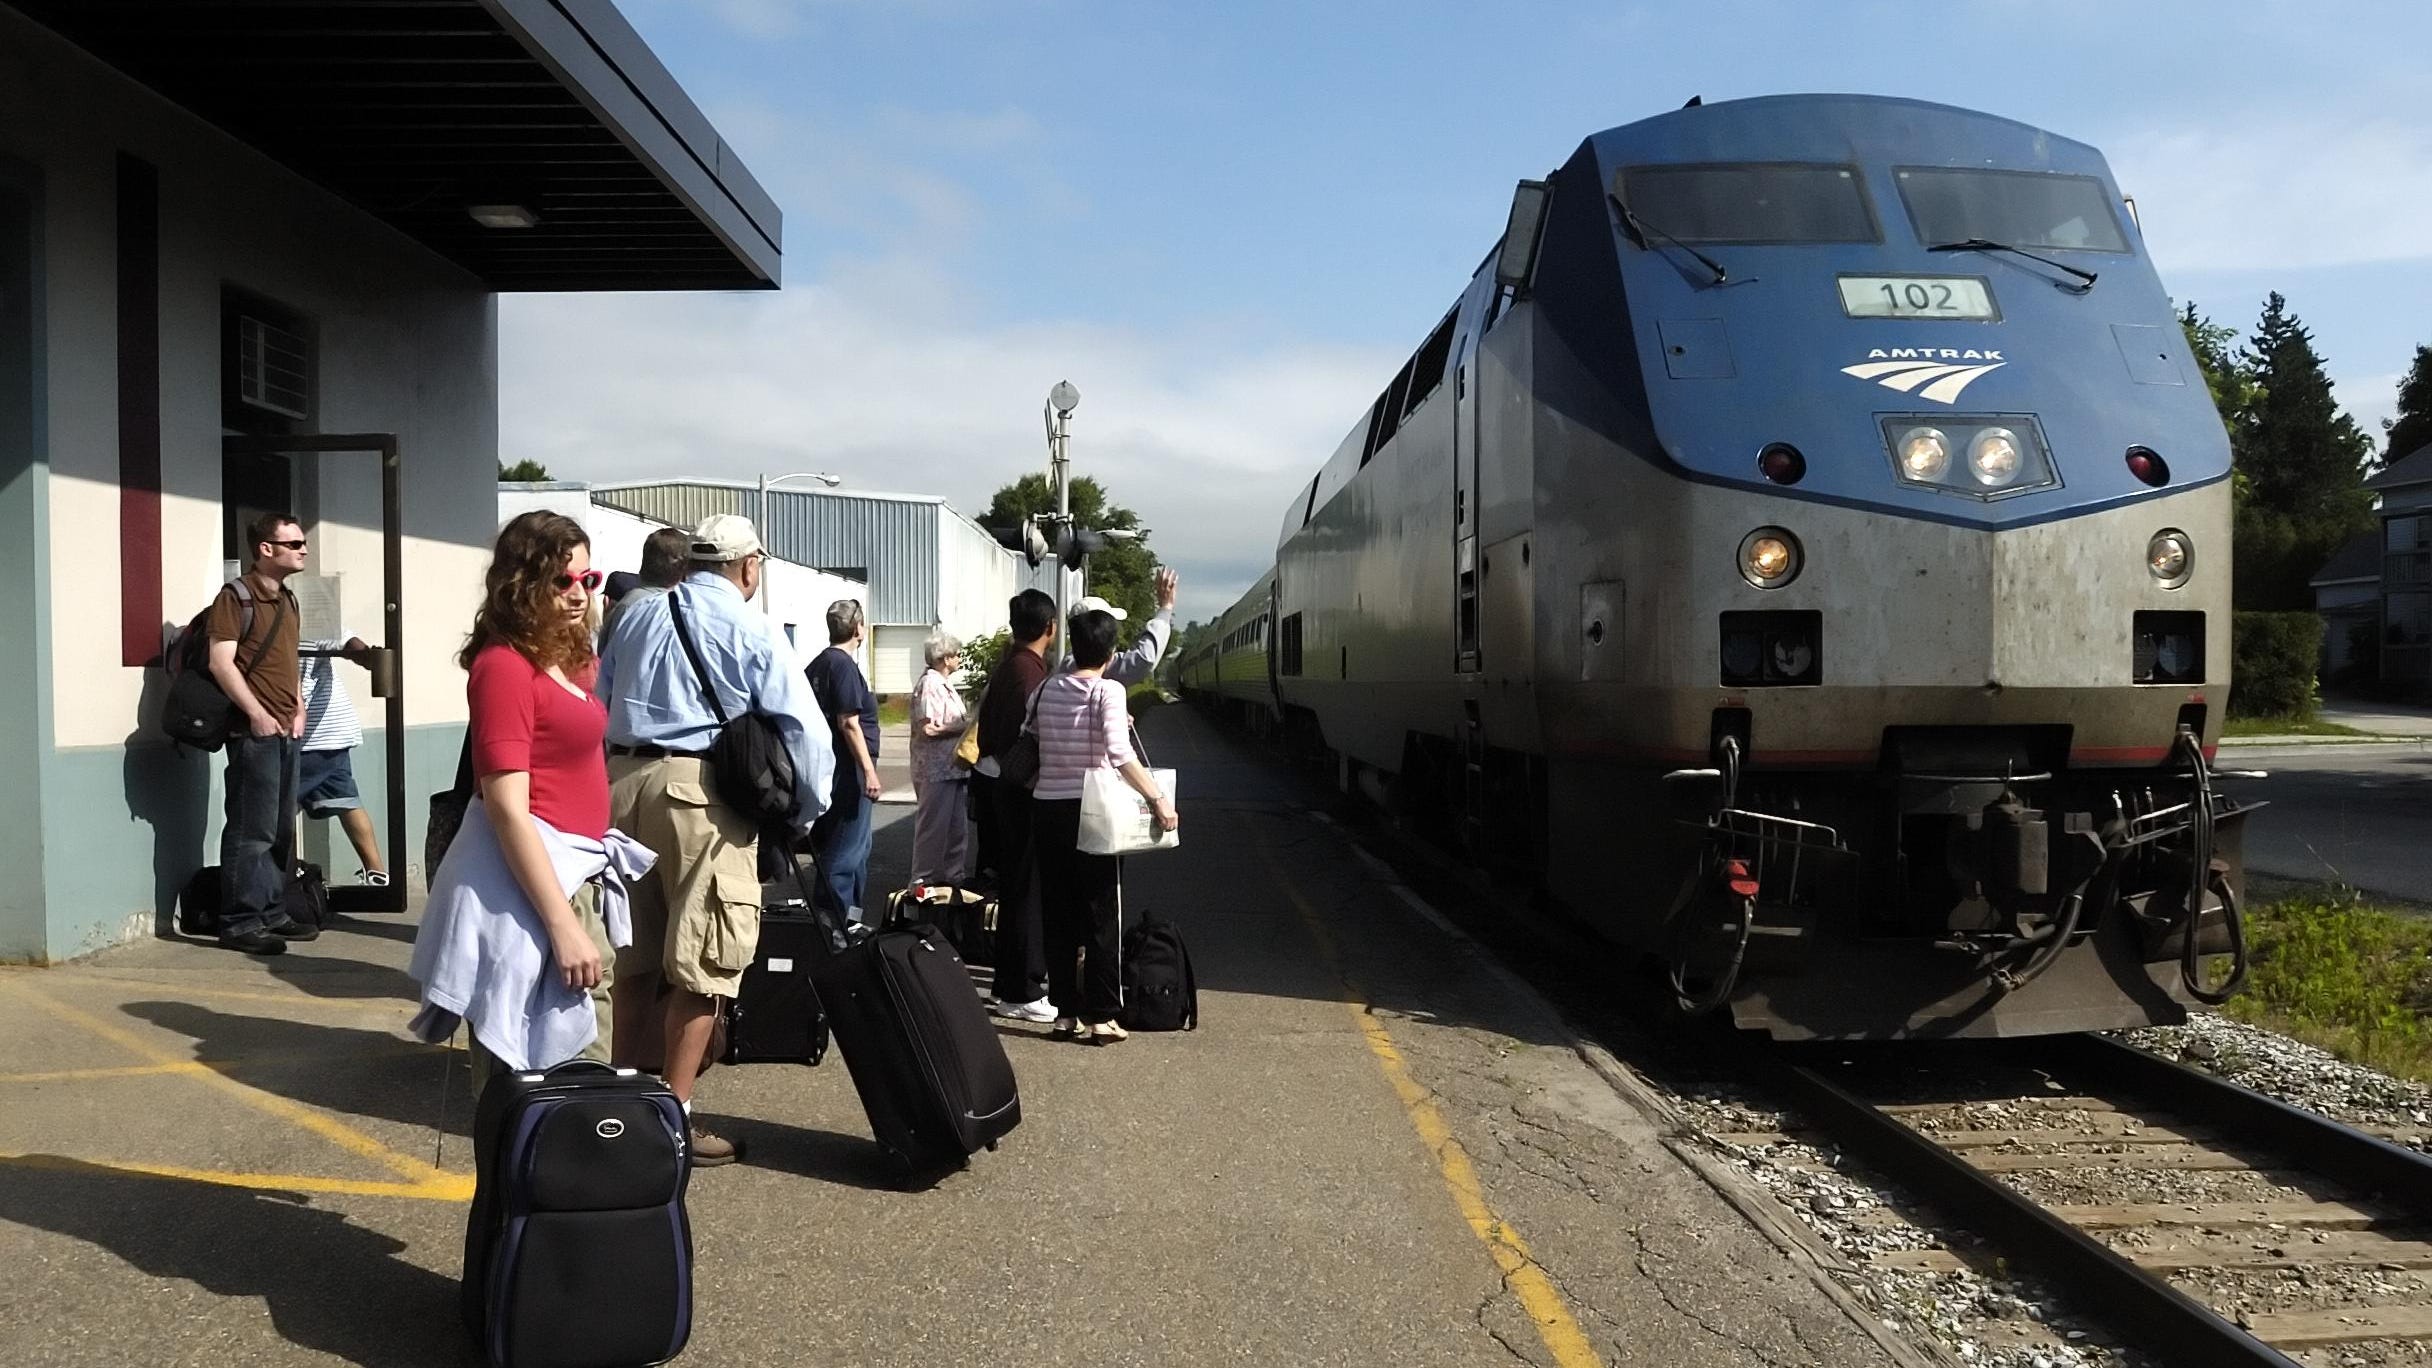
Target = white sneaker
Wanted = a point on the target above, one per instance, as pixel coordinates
(1041, 1010)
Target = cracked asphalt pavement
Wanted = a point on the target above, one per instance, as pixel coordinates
(1261, 1191)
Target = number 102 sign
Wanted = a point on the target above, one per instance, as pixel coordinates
(1960, 297)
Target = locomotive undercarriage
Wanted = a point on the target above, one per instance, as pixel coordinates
(1971, 886)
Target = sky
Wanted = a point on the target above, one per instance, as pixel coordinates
(1228, 224)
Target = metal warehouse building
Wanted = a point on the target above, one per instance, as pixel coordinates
(250, 256)
(927, 565)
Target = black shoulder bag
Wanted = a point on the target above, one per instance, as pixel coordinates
(748, 763)
(197, 712)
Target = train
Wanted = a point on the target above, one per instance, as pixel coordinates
(1800, 551)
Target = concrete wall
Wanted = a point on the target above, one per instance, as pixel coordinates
(407, 345)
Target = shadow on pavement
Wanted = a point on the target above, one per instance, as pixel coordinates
(329, 1284)
(336, 1068)
(327, 977)
(823, 1156)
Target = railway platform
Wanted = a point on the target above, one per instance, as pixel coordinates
(1380, 1149)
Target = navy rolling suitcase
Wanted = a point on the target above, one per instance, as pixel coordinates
(926, 1060)
(578, 1253)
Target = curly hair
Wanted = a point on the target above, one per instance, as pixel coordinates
(520, 606)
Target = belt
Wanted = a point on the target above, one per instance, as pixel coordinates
(655, 752)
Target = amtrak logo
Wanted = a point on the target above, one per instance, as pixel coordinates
(1936, 373)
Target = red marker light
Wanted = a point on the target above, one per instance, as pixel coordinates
(1782, 464)
(2148, 467)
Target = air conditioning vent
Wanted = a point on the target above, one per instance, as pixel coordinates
(274, 369)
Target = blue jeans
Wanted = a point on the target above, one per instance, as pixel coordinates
(257, 842)
(842, 839)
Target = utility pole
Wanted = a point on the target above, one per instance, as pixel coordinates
(1061, 401)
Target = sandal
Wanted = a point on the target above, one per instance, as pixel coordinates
(1067, 1028)
(1107, 1033)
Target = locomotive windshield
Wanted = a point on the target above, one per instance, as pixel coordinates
(2020, 208)
(1782, 202)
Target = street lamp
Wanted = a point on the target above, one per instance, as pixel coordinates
(1061, 401)
(760, 518)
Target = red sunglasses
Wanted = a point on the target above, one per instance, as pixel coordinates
(591, 580)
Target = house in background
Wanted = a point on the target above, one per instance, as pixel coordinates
(2405, 487)
(2347, 597)
(250, 257)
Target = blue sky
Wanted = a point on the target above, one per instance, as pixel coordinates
(1227, 223)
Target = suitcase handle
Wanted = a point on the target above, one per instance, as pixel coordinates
(834, 937)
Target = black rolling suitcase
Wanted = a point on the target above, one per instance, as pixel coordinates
(578, 1253)
(931, 1072)
(776, 1017)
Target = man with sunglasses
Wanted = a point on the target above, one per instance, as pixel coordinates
(253, 660)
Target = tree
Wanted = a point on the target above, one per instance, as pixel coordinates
(2232, 385)
(1121, 573)
(2303, 462)
(2411, 430)
(526, 470)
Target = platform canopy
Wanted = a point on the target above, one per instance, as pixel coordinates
(551, 118)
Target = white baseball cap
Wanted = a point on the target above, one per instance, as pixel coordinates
(724, 537)
(1094, 604)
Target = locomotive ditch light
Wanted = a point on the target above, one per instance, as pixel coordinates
(1769, 557)
(2006, 454)
(2170, 557)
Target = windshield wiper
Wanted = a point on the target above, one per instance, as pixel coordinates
(1989, 245)
(1639, 228)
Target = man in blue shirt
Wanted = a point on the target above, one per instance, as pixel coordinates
(843, 833)
(696, 917)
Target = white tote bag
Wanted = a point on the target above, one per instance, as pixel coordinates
(1116, 820)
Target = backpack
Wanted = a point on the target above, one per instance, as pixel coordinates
(305, 899)
(1159, 991)
(197, 712)
(748, 763)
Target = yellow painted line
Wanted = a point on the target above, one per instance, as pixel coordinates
(336, 1132)
(121, 1071)
(294, 999)
(1556, 1327)
(446, 1188)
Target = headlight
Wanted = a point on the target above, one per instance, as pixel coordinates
(1769, 557)
(1924, 453)
(1994, 457)
(2171, 557)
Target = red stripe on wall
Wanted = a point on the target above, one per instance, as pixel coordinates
(139, 561)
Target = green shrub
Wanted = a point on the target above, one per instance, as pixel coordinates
(2272, 661)
(2351, 978)
(980, 655)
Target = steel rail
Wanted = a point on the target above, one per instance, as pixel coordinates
(2142, 1308)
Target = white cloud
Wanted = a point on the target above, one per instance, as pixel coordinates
(2369, 399)
(1206, 437)
(2279, 193)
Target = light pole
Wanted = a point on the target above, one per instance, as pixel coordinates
(760, 520)
(1061, 401)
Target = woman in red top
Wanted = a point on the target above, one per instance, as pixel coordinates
(538, 735)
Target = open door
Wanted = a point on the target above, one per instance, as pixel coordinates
(373, 608)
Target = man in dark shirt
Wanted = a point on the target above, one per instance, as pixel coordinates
(842, 834)
(1021, 941)
(253, 660)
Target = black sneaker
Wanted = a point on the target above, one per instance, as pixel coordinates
(293, 930)
(254, 943)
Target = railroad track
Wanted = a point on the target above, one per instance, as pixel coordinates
(2297, 1197)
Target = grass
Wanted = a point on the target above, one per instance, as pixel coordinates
(2336, 971)
(895, 710)
(2286, 725)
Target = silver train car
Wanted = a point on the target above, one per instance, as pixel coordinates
(1803, 550)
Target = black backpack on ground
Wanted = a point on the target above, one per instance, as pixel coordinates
(748, 763)
(305, 899)
(197, 712)
(1159, 991)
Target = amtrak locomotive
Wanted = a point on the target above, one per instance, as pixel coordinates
(1804, 549)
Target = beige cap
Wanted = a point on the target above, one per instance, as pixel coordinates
(724, 537)
(1094, 604)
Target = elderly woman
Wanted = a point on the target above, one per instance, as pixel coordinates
(941, 846)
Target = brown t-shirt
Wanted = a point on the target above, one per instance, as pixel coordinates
(1007, 702)
(272, 674)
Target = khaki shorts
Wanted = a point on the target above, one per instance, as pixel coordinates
(696, 915)
(586, 902)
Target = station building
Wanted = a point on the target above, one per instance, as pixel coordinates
(249, 260)
(928, 567)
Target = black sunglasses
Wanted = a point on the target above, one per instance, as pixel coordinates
(296, 545)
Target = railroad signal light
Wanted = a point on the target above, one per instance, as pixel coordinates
(1026, 539)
